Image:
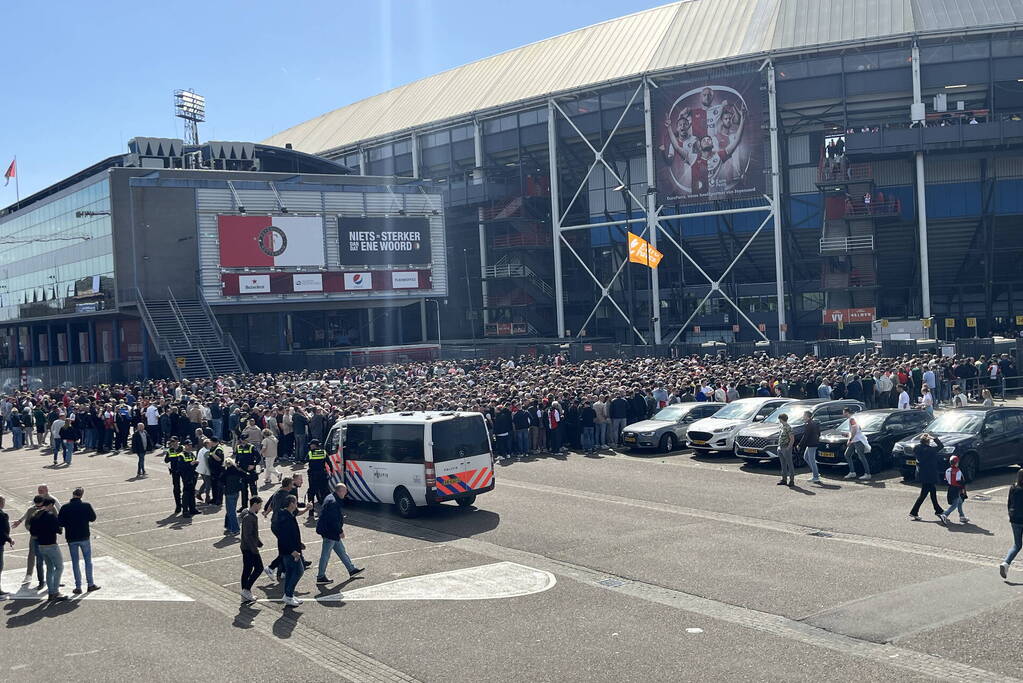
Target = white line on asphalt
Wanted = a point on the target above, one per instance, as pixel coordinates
(131, 493)
(174, 545)
(354, 559)
(119, 505)
(988, 493)
(121, 519)
(79, 654)
(169, 528)
(226, 557)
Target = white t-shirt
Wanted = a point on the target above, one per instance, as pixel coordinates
(904, 400)
(152, 415)
(960, 400)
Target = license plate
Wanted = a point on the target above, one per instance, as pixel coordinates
(911, 462)
(630, 437)
(699, 443)
(749, 450)
(827, 455)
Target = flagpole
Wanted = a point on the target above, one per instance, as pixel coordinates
(17, 185)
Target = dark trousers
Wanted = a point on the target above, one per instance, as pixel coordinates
(121, 439)
(252, 565)
(216, 485)
(926, 489)
(142, 463)
(188, 493)
(176, 485)
(154, 435)
(249, 488)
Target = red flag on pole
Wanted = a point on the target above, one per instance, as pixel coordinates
(12, 172)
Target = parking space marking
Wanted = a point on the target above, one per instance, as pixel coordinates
(170, 528)
(131, 493)
(195, 540)
(120, 582)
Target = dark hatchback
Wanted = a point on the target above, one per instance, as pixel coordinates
(760, 441)
(883, 428)
(983, 438)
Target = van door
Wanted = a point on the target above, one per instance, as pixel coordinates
(396, 460)
(462, 458)
(357, 455)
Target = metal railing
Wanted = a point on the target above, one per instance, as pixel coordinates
(521, 240)
(844, 173)
(226, 337)
(159, 341)
(860, 209)
(847, 244)
(507, 270)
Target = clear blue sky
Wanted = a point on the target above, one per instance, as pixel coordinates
(82, 78)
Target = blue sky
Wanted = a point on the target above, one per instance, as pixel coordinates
(82, 78)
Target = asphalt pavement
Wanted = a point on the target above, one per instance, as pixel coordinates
(614, 567)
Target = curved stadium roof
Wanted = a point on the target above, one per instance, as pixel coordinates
(674, 36)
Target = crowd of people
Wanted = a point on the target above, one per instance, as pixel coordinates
(532, 405)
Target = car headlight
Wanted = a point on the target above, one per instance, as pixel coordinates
(948, 450)
(899, 448)
(647, 433)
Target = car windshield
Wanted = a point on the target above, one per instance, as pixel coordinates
(670, 414)
(955, 421)
(793, 410)
(738, 411)
(868, 423)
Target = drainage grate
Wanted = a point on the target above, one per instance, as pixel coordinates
(611, 583)
(821, 534)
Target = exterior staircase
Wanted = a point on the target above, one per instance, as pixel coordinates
(188, 336)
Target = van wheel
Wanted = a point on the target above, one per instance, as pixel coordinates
(466, 502)
(667, 443)
(406, 506)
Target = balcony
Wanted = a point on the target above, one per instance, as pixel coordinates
(832, 175)
(846, 245)
(891, 141)
(875, 209)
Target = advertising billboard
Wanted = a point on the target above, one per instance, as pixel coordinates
(384, 240)
(265, 241)
(708, 139)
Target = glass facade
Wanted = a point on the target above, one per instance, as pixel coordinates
(53, 261)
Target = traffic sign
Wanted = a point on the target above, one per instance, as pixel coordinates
(950, 322)
(181, 361)
(841, 324)
(926, 323)
(884, 322)
(971, 322)
(1019, 320)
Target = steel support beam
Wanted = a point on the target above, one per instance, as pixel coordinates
(651, 213)
(552, 152)
(779, 272)
(921, 202)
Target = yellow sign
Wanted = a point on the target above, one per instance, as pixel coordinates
(841, 324)
(926, 322)
(884, 322)
(640, 251)
(971, 322)
(950, 322)
(1019, 320)
(180, 361)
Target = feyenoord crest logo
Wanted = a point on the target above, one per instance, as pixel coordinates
(272, 241)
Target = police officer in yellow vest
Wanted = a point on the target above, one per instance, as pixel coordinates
(318, 483)
(246, 457)
(189, 462)
(173, 458)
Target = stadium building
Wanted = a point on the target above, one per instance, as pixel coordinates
(198, 260)
(814, 162)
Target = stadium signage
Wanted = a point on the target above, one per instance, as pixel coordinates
(384, 240)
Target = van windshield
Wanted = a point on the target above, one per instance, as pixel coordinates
(460, 437)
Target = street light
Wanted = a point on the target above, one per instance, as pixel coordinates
(437, 301)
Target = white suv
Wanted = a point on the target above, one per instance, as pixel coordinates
(717, 433)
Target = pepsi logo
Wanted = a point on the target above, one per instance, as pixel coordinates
(357, 278)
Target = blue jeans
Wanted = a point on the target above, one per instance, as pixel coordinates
(339, 549)
(231, 513)
(218, 428)
(19, 436)
(85, 547)
(587, 439)
(522, 441)
(957, 504)
(34, 558)
(293, 570)
(1017, 535)
(58, 444)
(54, 566)
(810, 456)
(69, 450)
(600, 434)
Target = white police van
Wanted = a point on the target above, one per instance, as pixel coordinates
(415, 459)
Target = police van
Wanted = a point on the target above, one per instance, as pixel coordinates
(415, 459)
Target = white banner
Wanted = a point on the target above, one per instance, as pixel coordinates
(402, 279)
(358, 281)
(253, 284)
(307, 282)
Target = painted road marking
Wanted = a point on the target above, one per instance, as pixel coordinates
(119, 582)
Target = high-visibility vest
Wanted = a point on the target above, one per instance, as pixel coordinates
(171, 453)
(189, 456)
(243, 449)
(318, 454)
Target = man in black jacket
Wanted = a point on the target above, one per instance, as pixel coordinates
(45, 527)
(928, 473)
(75, 517)
(5, 538)
(332, 530)
(290, 547)
(809, 442)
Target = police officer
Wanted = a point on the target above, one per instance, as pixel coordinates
(215, 459)
(173, 459)
(318, 484)
(246, 458)
(189, 461)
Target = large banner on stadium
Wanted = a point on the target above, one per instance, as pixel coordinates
(264, 241)
(384, 241)
(708, 140)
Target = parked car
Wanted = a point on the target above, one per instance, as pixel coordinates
(883, 429)
(666, 430)
(983, 438)
(760, 441)
(717, 433)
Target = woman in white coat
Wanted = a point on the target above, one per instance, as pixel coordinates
(268, 449)
(202, 468)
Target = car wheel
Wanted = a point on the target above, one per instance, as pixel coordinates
(970, 465)
(668, 443)
(405, 504)
(466, 502)
(908, 474)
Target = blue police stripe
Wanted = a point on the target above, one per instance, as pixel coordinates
(353, 492)
(360, 484)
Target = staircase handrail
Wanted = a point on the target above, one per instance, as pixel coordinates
(162, 346)
(846, 243)
(226, 337)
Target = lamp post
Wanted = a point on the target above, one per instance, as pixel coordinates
(437, 301)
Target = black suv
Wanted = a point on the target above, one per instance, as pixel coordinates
(760, 441)
(883, 428)
(983, 438)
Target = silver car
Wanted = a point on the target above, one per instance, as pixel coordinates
(666, 430)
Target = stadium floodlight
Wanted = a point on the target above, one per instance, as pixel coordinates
(190, 106)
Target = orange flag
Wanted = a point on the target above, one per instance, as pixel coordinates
(640, 251)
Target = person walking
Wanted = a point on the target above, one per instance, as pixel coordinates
(34, 559)
(233, 480)
(928, 474)
(172, 456)
(216, 459)
(70, 434)
(857, 443)
(290, 547)
(786, 440)
(202, 469)
(141, 442)
(246, 459)
(45, 527)
(1015, 521)
(268, 450)
(75, 518)
(330, 528)
(809, 442)
(6, 540)
(252, 562)
(318, 479)
(55, 426)
(956, 491)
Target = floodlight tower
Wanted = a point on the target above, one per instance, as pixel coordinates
(191, 107)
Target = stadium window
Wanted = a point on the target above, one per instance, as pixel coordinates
(861, 62)
(965, 51)
(893, 59)
(824, 66)
(937, 54)
(500, 125)
(616, 99)
(811, 301)
(530, 118)
(1007, 48)
(436, 139)
(461, 133)
(378, 153)
(403, 147)
(792, 70)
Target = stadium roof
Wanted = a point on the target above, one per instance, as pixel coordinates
(677, 35)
